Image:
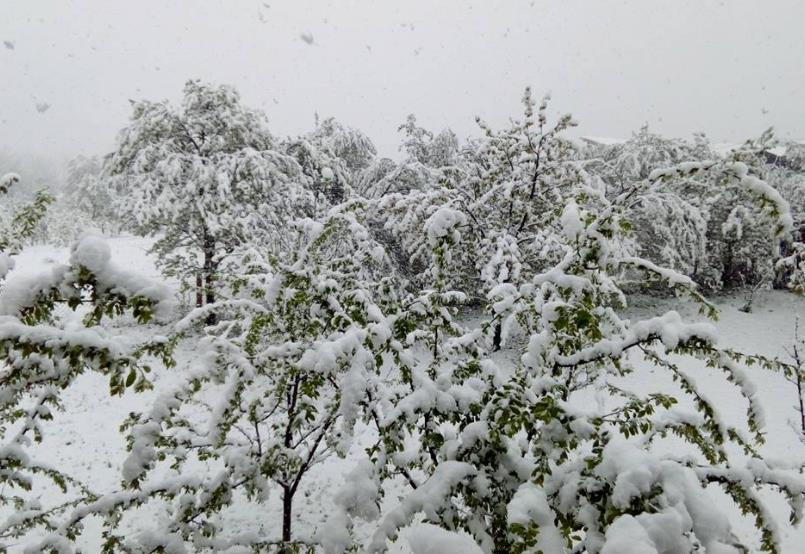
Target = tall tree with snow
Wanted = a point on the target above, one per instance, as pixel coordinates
(508, 186)
(205, 178)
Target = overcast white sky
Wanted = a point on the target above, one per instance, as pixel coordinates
(730, 68)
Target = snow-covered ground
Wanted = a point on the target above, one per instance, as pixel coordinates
(84, 439)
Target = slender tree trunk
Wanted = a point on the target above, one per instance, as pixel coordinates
(798, 362)
(497, 340)
(287, 516)
(289, 487)
(209, 275)
(801, 406)
(199, 290)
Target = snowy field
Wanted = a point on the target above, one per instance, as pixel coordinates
(84, 440)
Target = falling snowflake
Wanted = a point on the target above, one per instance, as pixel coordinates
(307, 37)
(42, 107)
(8, 44)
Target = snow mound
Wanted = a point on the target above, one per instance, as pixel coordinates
(429, 539)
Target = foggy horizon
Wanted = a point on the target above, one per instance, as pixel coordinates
(69, 69)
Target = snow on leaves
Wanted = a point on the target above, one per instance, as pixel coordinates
(43, 356)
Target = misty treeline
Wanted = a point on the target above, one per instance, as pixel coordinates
(324, 295)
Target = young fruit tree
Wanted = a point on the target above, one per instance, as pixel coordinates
(205, 178)
(276, 388)
(795, 374)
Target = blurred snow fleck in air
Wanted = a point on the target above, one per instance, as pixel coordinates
(8, 44)
(42, 107)
(307, 37)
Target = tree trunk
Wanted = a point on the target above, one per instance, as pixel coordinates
(497, 341)
(287, 513)
(209, 275)
(801, 405)
(199, 291)
(210, 298)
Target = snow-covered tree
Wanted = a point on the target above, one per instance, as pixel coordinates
(703, 225)
(644, 152)
(416, 140)
(276, 388)
(376, 171)
(387, 178)
(205, 178)
(87, 192)
(350, 145)
(742, 246)
(507, 186)
(320, 312)
(670, 231)
(421, 145)
(791, 267)
(62, 224)
(327, 176)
